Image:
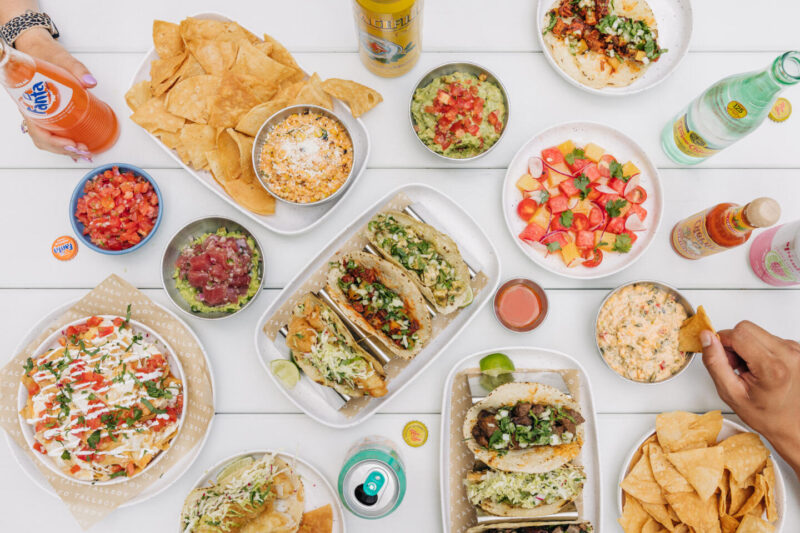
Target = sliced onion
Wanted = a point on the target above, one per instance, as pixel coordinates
(632, 184)
(634, 223)
(554, 232)
(556, 170)
(605, 189)
(535, 166)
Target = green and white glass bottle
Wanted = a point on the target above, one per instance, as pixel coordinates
(727, 111)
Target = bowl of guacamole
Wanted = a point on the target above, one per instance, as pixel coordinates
(459, 111)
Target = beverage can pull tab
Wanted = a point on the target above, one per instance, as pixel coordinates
(374, 483)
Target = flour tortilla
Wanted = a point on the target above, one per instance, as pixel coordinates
(393, 278)
(532, 460)
(504, 509)
(498, 526)
(445, 246)
(284, 513)
(590, 68)
(310, 370)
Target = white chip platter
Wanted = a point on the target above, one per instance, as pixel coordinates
(530, 358)
(621, 147)
(287, 219)
(478, 251)
(317, 490)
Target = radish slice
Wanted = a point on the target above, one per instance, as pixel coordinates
(605, 189)
(539, 247)
(572, 202)
(632, 184)
(634, 223)
(535, 166)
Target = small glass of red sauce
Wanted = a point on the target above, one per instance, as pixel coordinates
(520, 305)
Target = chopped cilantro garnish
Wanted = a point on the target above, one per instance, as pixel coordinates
(28, 366)
(152, 408)
(615, 169)
(582, 184)
(154, 392)
(614, 207)
(577, 153)
(65, 455)
(93, 439)
(127, 319)
(118, 473)
(623, 243)
(566, 218)
(553, 246)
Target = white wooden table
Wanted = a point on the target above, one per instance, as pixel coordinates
(111, 38)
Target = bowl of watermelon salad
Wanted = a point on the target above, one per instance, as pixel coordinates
(582, 200)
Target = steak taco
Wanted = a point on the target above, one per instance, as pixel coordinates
(430, 258)
(382, 300)
(602, 43)
(532, 527)
(524, 494)
(324, 349)
(524, 427)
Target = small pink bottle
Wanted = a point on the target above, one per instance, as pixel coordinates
(775, 255)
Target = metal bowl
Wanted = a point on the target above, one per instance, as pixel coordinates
(536, 288)
(263, 134)
(450, 68)
(183, 237)
(681, 300)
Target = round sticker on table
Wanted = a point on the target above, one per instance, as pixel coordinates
(781, 110)
(415, 433)
(64, 248)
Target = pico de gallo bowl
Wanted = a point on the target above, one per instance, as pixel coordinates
(582, 200)
(116, 208)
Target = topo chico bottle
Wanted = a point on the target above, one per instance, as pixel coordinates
(727, 111)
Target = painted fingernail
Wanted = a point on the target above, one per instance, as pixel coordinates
(83, 153)
(72, 149)
(87, 159)
(705, 338)
(88, 79)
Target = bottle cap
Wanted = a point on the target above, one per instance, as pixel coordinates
(415, 433)
(762, 212)
(781, 110)
(64, 248)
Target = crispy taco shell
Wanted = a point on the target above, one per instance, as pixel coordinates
(395, 279)
(443, 244)
(536, 458)
(501, 526)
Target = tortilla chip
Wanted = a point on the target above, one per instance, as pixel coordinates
(192, 98)
(183, 154)
(754, 501)
(744, 455)
(198, 139)
(319, 520)
(740, 493)
(641, 484)
(288, 90)
(689, 334)
(264, 47)
(312, 94)
(769, 491)
(170, 138)
(190, 68)
(262, 90)
(666, 475)
(164, 73)
(193, 29)
(359, 98)
(251, 61)
(724, 489)
(651, 526)
(280, 54)
(244, 144)
(138, 95)
(252, 121)
(728, 523)
(167, 39)
(702, 468)
(754, 524)
(680, 430)
(227, 158)
(634, 517)
(693, 511)
(153, 115)
(660, 514)
(216, 57)
(248, 192)
(233, 100)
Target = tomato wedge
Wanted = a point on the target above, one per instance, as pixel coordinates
(526, 208)
(580, 222)
(594, 259)
(637, 196)
(595, 217)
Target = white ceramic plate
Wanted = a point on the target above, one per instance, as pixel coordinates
(478, 251)
(617, 144)
(539, 359)
(729, 428)
(674, 21)
(318, 491)
(51, 343)
(165, 481)
(287, 219)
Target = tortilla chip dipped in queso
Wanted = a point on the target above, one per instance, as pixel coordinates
(381, 299)
(430, 258)
(533, 527)
(325, 350)
(525, 427)
(602, 43)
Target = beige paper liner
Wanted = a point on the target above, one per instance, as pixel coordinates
(317, 280)
(463, 515)
(90, 504)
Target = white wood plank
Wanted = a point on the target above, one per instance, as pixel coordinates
(449, 25)
(539, 99)
(568, 328)
(326, 449)
(478, 191)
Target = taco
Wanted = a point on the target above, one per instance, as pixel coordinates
(325, 350)
(533, 527)
(430, 258)
(602, 43)
(524, 494)
(382, 300)
(524, 427)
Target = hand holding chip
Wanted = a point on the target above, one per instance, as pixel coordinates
(758, 375)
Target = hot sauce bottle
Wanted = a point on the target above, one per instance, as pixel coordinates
(722, 227)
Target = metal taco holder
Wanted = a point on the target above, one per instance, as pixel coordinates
(366, 341)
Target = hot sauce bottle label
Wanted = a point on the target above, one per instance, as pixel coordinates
(736, 110)
(690, 237)
(690, 142)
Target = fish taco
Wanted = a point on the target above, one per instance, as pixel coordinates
(532, 527)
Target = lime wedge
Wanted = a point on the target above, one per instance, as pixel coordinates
(495, 364)
(286, 371)
(233, 468)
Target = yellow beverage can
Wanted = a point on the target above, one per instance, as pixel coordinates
(389, 35)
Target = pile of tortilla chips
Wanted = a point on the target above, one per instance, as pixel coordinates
(682, 480)
(213, 86)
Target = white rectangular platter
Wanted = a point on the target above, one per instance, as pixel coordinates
(478, 251)
(531, 358)
(287, 219)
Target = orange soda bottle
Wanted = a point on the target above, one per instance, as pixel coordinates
(54, 100)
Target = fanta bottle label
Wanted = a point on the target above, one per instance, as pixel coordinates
(42, 98)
